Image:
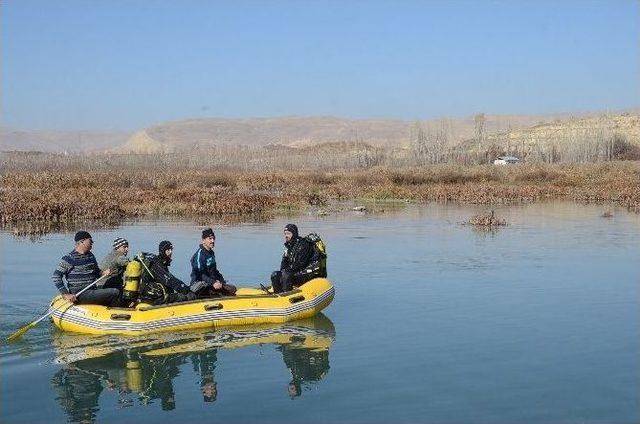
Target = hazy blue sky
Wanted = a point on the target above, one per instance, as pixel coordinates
(127, 64)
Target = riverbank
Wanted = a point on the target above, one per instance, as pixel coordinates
(37, 200)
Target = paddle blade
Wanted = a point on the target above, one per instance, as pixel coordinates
(15, 336)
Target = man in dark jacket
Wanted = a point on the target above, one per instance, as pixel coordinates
(162, 287)
(298, 255)
(206, 280)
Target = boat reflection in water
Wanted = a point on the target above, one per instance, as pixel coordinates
(142, 369)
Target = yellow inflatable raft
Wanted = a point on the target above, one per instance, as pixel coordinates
(249, 306)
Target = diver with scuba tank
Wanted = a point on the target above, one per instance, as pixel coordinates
(303, 259)
(158, 285)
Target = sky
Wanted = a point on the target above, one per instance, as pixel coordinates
(128, 64)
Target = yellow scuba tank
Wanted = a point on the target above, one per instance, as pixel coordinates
(132, 280)
(134, 375)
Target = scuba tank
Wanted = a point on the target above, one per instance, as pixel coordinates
(132, 280)
(134, 374)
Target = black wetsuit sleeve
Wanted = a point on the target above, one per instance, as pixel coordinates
(302, 257)
(163, 276)
(176, 284)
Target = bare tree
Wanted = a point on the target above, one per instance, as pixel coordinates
(480, 121)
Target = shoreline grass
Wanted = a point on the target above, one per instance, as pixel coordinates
(72, 195)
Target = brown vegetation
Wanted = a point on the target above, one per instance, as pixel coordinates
(46, 190)
(488, 221)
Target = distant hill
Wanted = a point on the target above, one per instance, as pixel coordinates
(288, 131)
(59, 141)
(305, 131)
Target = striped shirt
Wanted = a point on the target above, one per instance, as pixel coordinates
(79, 270)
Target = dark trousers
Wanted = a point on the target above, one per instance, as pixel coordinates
(105, 297)
(113, 283)
(284, 281)
(208, 291)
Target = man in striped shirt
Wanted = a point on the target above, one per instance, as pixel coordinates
(80, 268)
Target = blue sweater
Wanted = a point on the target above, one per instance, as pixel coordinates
(203, 266)
(80, 270)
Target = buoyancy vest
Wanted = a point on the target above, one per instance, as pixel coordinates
(318, 264)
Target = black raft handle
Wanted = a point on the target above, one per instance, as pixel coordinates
(296, 299)
(213, 306)
(121, 317)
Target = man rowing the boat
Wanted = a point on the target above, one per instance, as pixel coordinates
(206, 280)
(80, 268)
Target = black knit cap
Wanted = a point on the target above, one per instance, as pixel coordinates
(164, 245)
(81, 235)
(292, 228)
(208, 232)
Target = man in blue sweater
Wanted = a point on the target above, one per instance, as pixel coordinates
(206, 280)
(80, 269)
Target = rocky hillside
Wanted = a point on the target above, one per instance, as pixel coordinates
(626, 126)
(602, 136)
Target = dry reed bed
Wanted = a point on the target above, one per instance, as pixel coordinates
(73, 195)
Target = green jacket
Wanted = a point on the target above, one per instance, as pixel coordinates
(116, 262)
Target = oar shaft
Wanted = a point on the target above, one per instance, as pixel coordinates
(52, 310)
(27, 327)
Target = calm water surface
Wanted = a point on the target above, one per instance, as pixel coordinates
(432, 322)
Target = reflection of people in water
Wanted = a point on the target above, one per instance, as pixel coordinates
(306, 365)
(80, 384)
(144, 373)
(204, 363)
(157, 376)
(78, 392)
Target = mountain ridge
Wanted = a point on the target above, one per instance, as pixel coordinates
(299, 131)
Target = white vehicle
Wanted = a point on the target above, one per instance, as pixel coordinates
(506, 160)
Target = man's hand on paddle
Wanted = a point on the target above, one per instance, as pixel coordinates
(69, 297)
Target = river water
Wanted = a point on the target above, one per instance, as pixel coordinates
(433, 321)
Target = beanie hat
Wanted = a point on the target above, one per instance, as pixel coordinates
(119, 242)
(208, 232)
(81, 235)
(292, 228)
(164, 245)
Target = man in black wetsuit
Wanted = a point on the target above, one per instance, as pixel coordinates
(297, 260)
(162, 286)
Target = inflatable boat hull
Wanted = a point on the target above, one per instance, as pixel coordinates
(249, 306)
